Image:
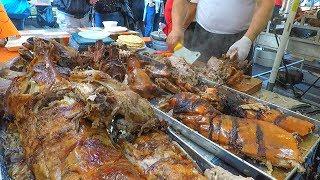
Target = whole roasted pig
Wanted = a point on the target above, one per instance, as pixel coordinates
(236, 105)
(259, 140)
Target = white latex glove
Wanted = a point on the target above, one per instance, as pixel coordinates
(242, 46)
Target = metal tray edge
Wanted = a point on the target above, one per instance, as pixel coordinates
(190, 151)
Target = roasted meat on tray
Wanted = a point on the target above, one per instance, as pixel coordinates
(56, 135)
(62, 110)
(234, 104)
(227, 70)
(259, 140)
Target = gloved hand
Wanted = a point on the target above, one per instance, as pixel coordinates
(242, 46)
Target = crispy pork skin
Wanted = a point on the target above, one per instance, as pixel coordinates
(257, 139)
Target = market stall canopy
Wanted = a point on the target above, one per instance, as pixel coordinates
(7, 29)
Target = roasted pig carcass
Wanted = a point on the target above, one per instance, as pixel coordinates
(160, 158)
(289, 123)
(236, 105)
(259, 140)
(189, 104)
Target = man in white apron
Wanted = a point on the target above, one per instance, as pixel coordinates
(222, 25)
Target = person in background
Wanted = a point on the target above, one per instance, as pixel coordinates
(114, 10)
(18, 11)
(151, 16)
(222, 26)
(73, 13)
(190, 17)
(275, 14)
(137, 7)
(45, 16)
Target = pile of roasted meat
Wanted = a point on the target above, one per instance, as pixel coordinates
(64, 101)
(240, 125)
(257, 132)
(226, 70)
(75, 119)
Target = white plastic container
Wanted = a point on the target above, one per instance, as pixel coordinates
(110, 24)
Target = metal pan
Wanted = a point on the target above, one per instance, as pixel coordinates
(244, 167)
(191, 151)
(247, 167)
(313, 139)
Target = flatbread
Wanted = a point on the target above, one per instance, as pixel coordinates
(132, 41)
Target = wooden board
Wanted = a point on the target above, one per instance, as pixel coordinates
(249, 85)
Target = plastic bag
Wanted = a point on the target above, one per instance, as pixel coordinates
(17, 9)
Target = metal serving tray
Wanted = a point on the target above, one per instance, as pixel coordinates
(248, 167)
(241, 165)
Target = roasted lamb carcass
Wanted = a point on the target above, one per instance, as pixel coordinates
(173, 75)
(60, 144)
(259, 140)
(108, 59)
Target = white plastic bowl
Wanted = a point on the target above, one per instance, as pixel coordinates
(109, 24)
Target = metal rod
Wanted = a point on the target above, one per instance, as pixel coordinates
(282, 67)
(283, 44)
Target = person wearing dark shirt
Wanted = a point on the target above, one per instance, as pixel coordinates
(114, 10)
(137, 7)
(73, 13)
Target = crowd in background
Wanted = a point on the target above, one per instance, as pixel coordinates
(141, 15)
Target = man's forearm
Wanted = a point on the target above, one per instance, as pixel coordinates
(260, 18)
(191, 14)
(178, 14)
